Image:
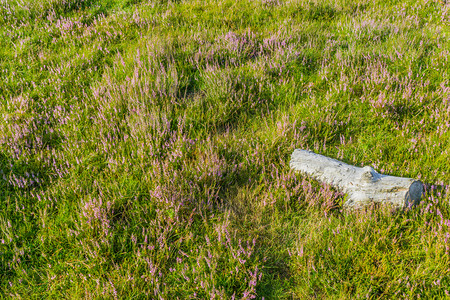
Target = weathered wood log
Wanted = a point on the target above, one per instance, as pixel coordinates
(363, 186)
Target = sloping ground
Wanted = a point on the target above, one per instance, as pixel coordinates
(145, 148)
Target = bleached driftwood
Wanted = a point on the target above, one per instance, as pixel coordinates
(363, 186)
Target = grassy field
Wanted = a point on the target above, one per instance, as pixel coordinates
(145, 147)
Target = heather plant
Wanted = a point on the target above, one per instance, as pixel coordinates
(145, 147)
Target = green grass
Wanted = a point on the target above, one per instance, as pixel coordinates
(145, 147)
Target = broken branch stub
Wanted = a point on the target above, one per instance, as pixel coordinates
(363, 186)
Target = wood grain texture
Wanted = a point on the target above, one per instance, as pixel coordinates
(363, 186)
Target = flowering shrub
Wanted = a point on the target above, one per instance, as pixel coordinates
(145, 147)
